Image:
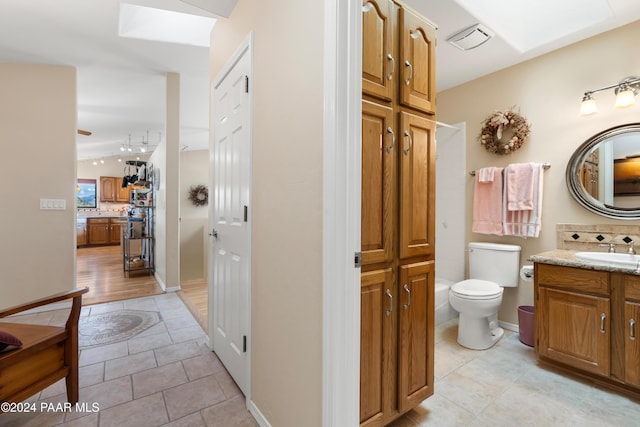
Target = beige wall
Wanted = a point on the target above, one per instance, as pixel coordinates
(37, 130)
(548, 91)
(286, 365)
(194, 170)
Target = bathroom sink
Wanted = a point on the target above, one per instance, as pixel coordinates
(623, 259)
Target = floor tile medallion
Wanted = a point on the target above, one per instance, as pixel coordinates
(115, 326)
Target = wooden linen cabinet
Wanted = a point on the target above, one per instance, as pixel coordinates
(398, 211)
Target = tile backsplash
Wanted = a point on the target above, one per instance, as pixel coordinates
(589, 237)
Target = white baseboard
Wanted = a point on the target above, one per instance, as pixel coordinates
(173, 289)
(260, 419)
(509, 326)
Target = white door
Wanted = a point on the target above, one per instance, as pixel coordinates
(229, 278)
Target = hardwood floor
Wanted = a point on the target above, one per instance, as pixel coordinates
(100, 268)
(195, 295)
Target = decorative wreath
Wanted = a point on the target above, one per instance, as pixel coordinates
(514, 127)
(199, 195)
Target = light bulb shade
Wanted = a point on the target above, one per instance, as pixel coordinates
(588, 106)
(625, 98)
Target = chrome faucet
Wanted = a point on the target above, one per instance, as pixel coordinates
(630, 248)
(610, 245)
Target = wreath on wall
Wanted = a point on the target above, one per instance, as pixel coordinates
(199, 195)
(503, 132)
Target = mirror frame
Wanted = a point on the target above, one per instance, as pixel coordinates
(576, 188)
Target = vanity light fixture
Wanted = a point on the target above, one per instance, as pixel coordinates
(625, 91)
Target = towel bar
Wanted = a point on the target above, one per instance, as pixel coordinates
(545, 166)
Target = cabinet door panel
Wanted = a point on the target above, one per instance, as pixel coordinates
(632, 343)
(377, 352)
(379, 62)
(415, 339)
(417, 186)
(107, 189)
(575, 329)
(417, 53)
(378, 183)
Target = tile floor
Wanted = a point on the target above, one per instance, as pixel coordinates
(504, 386)
(164, 376)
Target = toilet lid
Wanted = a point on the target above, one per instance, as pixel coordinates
(476, 289)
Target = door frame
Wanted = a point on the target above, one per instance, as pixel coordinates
(342, 159)
(247, 47)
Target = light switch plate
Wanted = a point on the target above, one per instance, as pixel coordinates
(53, 204)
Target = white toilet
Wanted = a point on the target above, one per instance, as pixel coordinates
(492, 267)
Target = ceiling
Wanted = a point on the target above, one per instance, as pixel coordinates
(121, 81)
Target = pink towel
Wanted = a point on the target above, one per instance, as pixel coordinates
(487, 205)
(519, 186)
(525, 223)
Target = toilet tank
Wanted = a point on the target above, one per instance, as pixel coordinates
(495, 262)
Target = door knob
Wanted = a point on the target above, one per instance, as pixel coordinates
(214, 233)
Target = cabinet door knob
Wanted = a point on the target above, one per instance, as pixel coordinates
(603, 317)
(632, 329)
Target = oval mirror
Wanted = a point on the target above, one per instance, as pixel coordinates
(603, 174)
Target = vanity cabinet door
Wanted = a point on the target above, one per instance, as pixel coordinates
(415, 339)
(574, 329)
(377, 350)
(632, 343)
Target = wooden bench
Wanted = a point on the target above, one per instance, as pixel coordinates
(47, 354)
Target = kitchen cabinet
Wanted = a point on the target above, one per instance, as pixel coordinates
(81, 232)
(115, 229)
(397, 212)
(111, 190)
(98, 231)
(586, 324)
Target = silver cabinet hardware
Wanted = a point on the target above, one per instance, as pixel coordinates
(408, 135)
(406, 289)
(214, 233)
(408, 64)
(393, 66)
(393, 139)
(632, 329)
(390, 309)
(603, 317)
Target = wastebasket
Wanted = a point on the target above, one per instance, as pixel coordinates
(526, 325)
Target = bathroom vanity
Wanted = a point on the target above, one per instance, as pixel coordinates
(587, 315)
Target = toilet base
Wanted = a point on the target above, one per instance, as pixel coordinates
(478, 333)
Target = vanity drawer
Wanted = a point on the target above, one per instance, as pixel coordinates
(632, 287)
(577, 279)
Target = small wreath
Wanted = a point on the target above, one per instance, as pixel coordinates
(514, 127)
(199, 195)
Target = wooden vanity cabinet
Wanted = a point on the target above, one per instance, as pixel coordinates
(586, 322)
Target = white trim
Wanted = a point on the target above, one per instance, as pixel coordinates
(160, 281)
(173, 289)
(509, 326)
(260, 418)
(341, 213)
(247, 46)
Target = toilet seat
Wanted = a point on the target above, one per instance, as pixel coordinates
(475, 289)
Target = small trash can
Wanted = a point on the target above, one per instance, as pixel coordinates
(525, 324)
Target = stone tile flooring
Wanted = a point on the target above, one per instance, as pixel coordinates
(167, 376)
(163, 376)
(504, 386)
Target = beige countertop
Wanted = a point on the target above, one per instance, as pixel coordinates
(568, 258)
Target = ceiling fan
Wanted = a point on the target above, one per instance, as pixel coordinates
(84, 132)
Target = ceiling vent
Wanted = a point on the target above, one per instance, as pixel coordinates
(471, 37)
